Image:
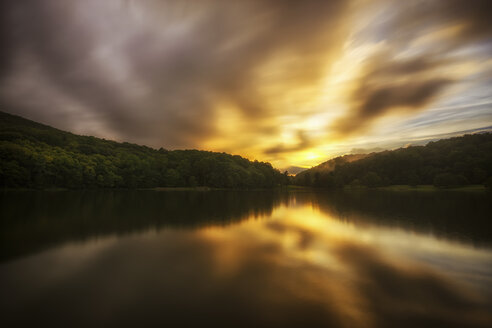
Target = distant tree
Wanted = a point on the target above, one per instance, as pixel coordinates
(478, 175)
(355, 183)
(33, 155)
(192, 181)
(449, 180)
(448, 162)
(488, 183)
(372, 180)
(173, 178)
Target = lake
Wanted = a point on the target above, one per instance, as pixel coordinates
(245, 259)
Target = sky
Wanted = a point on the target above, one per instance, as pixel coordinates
(290, 82)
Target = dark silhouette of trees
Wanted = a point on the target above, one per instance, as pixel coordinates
(445, 163)
(38, 156)
(371, 179)
(449, 180)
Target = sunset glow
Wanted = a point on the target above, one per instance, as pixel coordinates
(293, 83)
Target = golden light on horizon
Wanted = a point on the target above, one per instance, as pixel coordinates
(261, 163)
(292, 83)
(299, 125)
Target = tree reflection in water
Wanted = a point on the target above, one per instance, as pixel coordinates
(263, 259)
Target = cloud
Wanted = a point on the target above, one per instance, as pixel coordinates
(235, 75)
(418, 60)
(303, 143)
(473, 18)
(377, 102)
(156, 72)
(390, 85)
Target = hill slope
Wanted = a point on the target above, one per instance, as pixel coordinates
(445, 163)
(34, 155)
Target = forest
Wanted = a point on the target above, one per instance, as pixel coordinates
(446, 163)
(33, 155)
(37, 156)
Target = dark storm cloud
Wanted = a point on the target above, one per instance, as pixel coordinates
(393, 79)
(56, 39)
(379, 91)
(382, 68)
(155, 71)
(474, 18)
(303, 142)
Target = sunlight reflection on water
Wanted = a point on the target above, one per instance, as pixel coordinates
(300, 263)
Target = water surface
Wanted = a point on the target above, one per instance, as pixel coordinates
(245, 259)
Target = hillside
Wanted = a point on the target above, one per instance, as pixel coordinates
(445, 163)
(34, 155)
(330, 165)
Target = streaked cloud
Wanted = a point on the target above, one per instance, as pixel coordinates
(291, 82)
(421, 56)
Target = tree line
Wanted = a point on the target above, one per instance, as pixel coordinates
(445, 163)
(34, 155)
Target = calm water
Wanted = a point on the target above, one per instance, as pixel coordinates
(245, 259)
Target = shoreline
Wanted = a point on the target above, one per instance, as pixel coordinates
(396, 188)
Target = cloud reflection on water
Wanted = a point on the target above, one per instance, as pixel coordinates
(365, 276)
(297, 265)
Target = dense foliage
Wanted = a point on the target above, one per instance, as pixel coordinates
(37, 156)
(445, 163)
